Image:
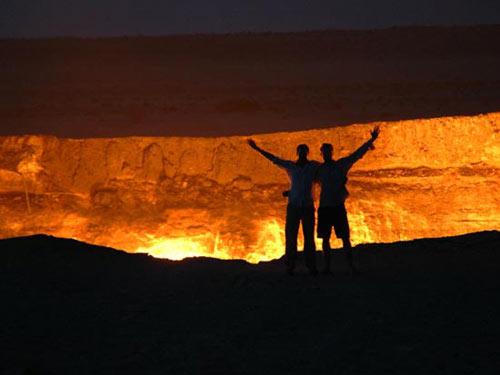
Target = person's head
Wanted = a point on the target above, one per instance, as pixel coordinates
(302, 151)
(327, 151)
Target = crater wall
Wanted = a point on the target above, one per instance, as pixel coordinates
(181, 196)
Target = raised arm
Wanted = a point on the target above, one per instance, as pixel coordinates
(360, 152)
(276, 160)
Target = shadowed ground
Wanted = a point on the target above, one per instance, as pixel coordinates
(422, 307)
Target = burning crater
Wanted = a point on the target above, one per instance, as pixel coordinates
(179, 197)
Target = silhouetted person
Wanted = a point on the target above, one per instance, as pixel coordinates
(300, 206)
(332, 176)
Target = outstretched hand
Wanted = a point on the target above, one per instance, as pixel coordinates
(375, 132)
(252, 143)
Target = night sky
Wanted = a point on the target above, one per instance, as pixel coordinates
(45, 18)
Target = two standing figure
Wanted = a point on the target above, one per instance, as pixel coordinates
(332, 176)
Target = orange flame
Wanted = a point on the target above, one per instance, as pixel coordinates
(269, 245)
(175, 198)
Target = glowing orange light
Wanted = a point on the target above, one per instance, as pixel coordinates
(188, 197)
(269, 245)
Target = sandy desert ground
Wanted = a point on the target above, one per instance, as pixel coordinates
(423, 307)
(245, 83)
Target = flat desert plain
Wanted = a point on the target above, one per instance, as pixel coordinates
(208, 85)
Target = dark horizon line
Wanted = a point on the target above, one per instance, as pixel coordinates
(256, 33)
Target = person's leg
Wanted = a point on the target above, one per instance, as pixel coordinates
(342, 231)
(309, 244)
(324, 230)
(291, 232)
(327, 251)
(347, 248)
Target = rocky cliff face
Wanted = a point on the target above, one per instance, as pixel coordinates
(177, 197)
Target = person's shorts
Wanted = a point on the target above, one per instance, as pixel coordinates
(335, 217)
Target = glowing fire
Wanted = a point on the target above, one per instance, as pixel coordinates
(268, 246)
(180, 248)
(184, 197)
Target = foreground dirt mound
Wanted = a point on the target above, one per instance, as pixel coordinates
(426, 306)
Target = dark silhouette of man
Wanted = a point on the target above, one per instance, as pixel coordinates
(300, 208)
(332, 176)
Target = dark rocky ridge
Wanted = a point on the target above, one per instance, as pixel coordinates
(425, 306)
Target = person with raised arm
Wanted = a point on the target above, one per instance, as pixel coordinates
(300, 208)
(332, 176)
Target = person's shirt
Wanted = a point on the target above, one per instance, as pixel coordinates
(302, 177)
(332, 176)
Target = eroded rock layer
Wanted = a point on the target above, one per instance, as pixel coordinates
(178, 197)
